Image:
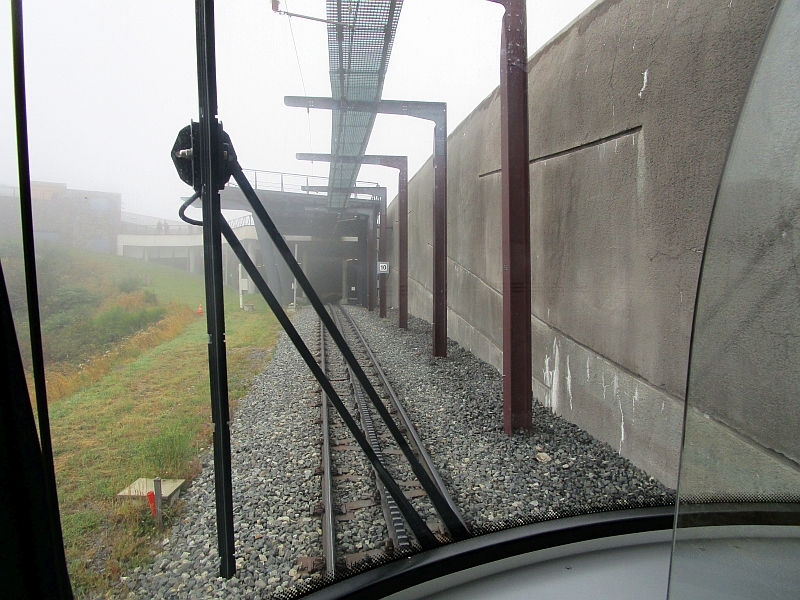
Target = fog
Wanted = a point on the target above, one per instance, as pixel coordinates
(109, 85)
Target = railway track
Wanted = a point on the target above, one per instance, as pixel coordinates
(360, 520)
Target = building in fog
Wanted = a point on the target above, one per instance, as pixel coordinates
(337, 266)
(85, 219)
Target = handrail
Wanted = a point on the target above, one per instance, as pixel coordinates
(137, 229)
(276, 181)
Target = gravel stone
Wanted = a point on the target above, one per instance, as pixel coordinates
(456, 405)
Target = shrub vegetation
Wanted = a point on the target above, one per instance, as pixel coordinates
(128, 394)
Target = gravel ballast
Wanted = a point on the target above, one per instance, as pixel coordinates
(456, 405)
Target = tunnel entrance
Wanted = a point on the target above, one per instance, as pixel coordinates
(326, 274)
(351, 275)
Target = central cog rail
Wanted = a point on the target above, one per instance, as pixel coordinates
(405, 422)
(394, 520)
(336, 512)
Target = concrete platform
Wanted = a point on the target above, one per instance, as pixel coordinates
(170, 489)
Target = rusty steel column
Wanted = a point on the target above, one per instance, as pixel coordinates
(431, 111)
(440, 238)
(402, 246)
(371, 266)
(401, 164)
(383, 255)
(516, 219)
(377, 203)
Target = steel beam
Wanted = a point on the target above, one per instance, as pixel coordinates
(62, 587)
(211, 176)
(371, 266)
(401, 164)
(422, 476)
(516, 219)
(383, 256)
(383, 249)
(421, 531)
(432, 111)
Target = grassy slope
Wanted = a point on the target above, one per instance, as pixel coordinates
(147, 416)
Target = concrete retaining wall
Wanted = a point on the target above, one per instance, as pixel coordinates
(631, 111)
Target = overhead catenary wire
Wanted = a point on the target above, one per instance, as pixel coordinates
(302, 82)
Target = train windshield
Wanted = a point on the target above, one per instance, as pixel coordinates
(372, 298)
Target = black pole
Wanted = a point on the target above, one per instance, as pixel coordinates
(423, 534)
(34, 319)
(210, 174)
(454, 525)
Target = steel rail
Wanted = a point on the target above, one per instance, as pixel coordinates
(328, 528)
(405, 421)
(391, 513)
(421, 531)
(457, 530)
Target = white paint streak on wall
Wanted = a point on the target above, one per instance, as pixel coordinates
(555, 391)
(588, 374)
(645, 76)
(641, 173)
(569, 383)
(635, 398)
(547, 377)
(622, 419)
(604, 386)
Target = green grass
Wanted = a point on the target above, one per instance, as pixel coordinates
(149, 418)
(90, 302)
(142, 408)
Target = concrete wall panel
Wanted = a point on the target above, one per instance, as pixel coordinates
(677, 70)
(638, 420)
(631, 111)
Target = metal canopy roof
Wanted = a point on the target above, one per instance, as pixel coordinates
(358, 52)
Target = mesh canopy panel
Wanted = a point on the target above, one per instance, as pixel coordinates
(358, 58)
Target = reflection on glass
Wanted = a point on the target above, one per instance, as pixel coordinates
(739, 467)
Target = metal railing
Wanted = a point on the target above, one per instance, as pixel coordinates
(137, 229)
(241, 221)
(274, 181)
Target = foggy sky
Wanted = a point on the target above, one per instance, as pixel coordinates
(109, 85)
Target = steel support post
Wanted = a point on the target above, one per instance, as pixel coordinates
(211, 169)
(401, 164)
(371, 266)
(440, 239)
(56, 549)
(516, 219)
(363, 267)
(453, 524)
(431, 111)
(402, 245)
(379, 198)
(383, 256)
